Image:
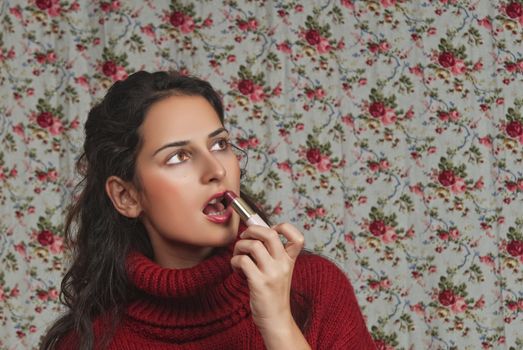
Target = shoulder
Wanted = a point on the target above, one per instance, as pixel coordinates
(102, 328)
(68, 341)
(316, 273)
(314, 265)
(334, 318)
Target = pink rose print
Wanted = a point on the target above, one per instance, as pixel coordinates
(512, 306)
(443, 116)
(347, 3)
(57, 127)
(324, 165)
(258, 94)
(187, 25)
(511, 67)
(112, 70)
(511, 186)
(459, 305)
(56, 246)
(458, 67)
(443, 235)
(389, 236)
(284, 47)
(374, 166)
(382, 345)
(389, 117)
(459, 185)
(323, 46)
(54, 294)
(388, 3)
(373, 47)
(284, 166)
(42, 295)
(454, 233)
(105, 7)
(52, 7)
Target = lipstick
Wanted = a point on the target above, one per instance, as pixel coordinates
(247, 214)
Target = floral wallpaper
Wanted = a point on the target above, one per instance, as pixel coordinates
(390, 132)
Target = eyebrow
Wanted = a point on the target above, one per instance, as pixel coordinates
(186, 142)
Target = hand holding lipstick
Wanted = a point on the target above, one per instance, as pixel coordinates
(268, 266)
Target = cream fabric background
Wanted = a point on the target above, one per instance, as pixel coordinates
(389, 132)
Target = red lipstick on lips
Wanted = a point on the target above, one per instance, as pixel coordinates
(248, 216)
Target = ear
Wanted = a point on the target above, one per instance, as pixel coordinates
(124, 196)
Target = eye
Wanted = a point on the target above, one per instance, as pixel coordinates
(178, 157)
(220, 145)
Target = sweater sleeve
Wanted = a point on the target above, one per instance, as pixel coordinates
(335, 321)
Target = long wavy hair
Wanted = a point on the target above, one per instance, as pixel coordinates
(99, 237)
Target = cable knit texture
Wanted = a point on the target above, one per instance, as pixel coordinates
(207, 307)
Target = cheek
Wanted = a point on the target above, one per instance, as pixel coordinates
(166, 192)
(233, 169)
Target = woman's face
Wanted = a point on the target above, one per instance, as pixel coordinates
(185, 161)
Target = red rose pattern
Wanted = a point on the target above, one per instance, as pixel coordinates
(44, 4)
(45, 119)
(313, 37)
(109, 68)
(314, 155)
(377, 109)
(514, 129)
(340, 83)
(246, 86)
(447, 178)
(514, 10)
(45, 238)
(377, 227)
(446, 59)
(515, 248)
(447, 297)
(177, 18)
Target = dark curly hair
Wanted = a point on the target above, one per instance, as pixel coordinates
(99, 237)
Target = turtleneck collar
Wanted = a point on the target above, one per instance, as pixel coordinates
(209, 296)
(158, 281)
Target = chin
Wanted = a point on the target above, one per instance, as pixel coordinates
(224, 237)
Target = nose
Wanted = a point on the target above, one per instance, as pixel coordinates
(213, 169)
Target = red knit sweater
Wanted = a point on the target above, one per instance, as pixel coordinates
(207, 307)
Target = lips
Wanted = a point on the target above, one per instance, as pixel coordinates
(217, 210)
(214, 207)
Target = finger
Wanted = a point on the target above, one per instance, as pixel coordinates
(249, 268)
(295, 239)
(269, 237)
(256, 250)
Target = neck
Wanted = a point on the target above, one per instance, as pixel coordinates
(181, 256)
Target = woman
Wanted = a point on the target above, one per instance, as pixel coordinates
(160, 262)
